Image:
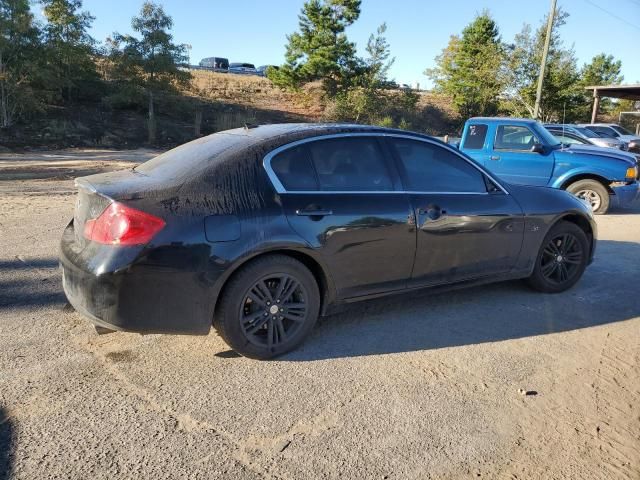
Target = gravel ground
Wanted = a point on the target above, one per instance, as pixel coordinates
(407, 387)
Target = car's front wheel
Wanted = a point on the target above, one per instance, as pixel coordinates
(562, 259)
(593, 192)
(268, 307)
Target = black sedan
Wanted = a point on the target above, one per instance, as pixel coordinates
(259, 230)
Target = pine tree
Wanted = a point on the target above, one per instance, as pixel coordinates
(19, 54)
(152, 61)
(471, 68)
(321, 49)
(602, 70)
(69, 47)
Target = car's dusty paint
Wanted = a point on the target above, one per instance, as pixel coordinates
(221, 210)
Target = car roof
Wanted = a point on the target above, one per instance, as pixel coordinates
(306, 130)
(503, 119)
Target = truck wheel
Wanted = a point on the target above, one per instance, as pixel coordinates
(593, 192)
(268, 307)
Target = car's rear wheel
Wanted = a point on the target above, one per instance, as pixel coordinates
(593, 192)
(268, 307)
(562, 259)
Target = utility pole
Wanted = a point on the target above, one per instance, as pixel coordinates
(543, 63)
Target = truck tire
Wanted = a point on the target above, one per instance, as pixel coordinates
(594, 192)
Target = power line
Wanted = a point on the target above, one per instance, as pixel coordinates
(612, 14)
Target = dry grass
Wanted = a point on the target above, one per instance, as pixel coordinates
(435, 113)
(257, 92)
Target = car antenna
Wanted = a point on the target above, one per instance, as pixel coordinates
(248, 126)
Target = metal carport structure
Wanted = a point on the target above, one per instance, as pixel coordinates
(627, 92)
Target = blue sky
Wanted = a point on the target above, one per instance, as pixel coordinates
(417, 30)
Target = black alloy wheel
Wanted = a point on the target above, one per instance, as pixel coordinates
(274, 308)
(562, 258)
(268, 307)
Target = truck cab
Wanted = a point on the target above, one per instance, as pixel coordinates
(522, 151)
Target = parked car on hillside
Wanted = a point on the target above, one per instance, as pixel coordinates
(523, 152)
(260, 230)
(217, 64)
(242, 68)
(616, 131)
(262, 69)
(592, 137)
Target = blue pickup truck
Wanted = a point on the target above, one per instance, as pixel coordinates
(522, 151)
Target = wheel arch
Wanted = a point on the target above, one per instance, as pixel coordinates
(319, 272)
(587, 176)
(581, 222)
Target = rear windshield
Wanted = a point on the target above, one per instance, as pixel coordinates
(586, 132)
(192, 157)
(621, 130)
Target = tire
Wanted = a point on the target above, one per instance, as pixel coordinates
(279, 286)
(562, 259)
(592, 191)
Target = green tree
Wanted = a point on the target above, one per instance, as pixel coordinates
(470, 69)
(19, 55)
(560, 93)
(377, 64)
(151, 62)
(602, 70)
(320, 50)
(70, 49)
(366, 100)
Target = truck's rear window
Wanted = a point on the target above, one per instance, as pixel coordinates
(475, 136)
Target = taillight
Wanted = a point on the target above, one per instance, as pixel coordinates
(122, 225)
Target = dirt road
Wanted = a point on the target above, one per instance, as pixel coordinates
(409, 387)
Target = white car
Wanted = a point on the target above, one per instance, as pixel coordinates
(616, 131)
(243, 68)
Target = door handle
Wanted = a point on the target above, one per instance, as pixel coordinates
(494, 157)
(433, 212)
(314, 212)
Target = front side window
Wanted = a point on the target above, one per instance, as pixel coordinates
(350, 164)
(514, 137)
(294, 170)
(431, 168)
(475, 136)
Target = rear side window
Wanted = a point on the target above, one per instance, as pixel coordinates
(294, 169)
(514, 137)
(475, 136)
(604, 131)
(350, 164)
(431, 168)
(567, 139)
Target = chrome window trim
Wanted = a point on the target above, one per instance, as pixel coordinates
(266, 163)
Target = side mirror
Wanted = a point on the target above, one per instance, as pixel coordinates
(537, 148)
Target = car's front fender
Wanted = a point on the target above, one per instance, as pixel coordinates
(606, 176)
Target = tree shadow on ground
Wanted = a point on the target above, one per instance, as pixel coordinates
(30, 283)
(492, 313)
(6, 445)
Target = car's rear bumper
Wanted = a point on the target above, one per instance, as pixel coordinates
(626, 194)
(104, 285)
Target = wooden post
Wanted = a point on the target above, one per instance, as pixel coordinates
(596, 105)
(197, 124)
